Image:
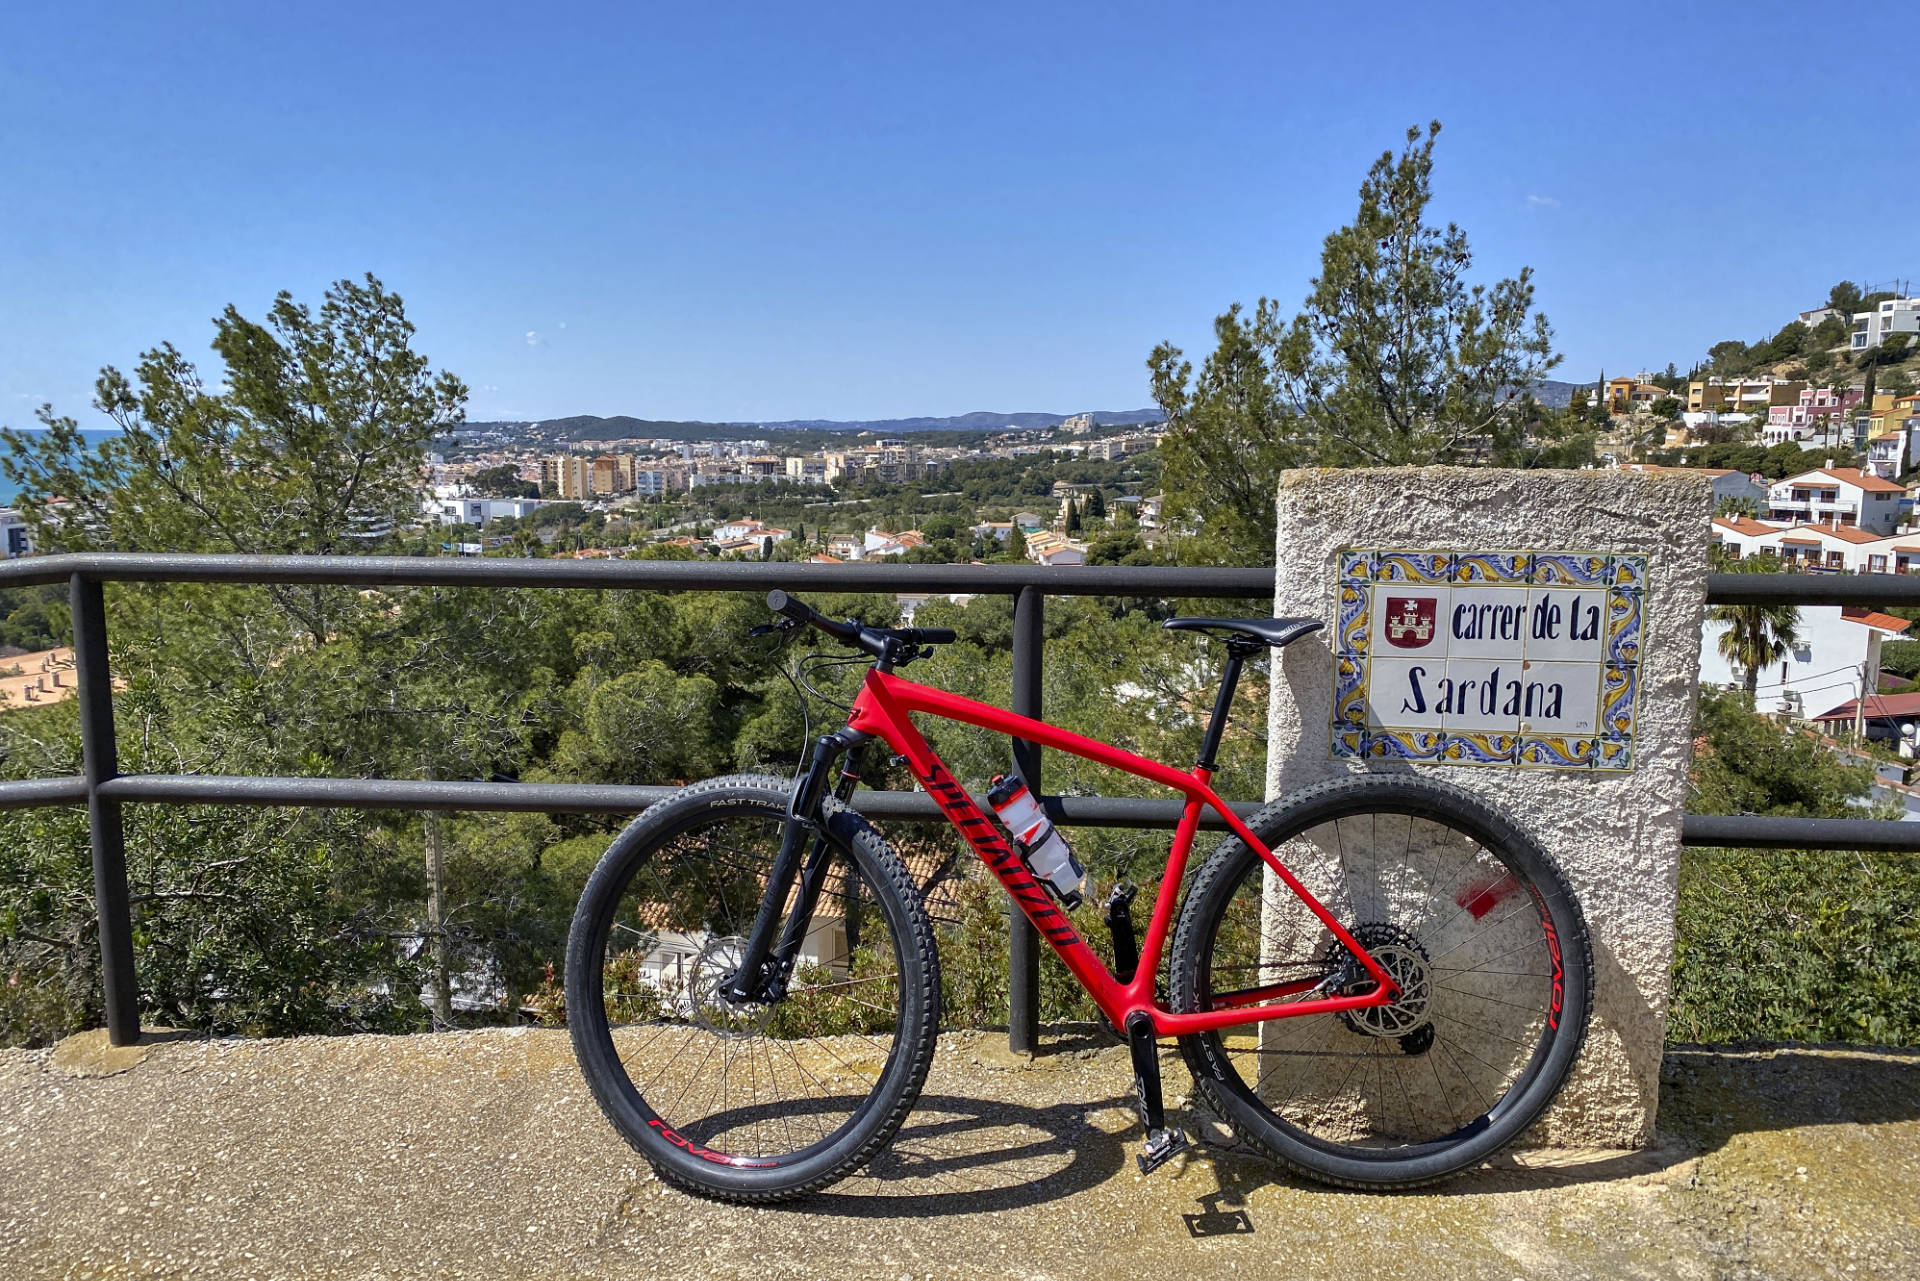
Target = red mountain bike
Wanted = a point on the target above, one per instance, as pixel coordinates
(1377, 981)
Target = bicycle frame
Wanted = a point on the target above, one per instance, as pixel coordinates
(883, 710)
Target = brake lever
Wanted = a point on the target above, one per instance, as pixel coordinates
(768, 629)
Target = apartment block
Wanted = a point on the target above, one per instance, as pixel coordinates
(578, 477)
(1746, 395)
(1892, 316)
(1837, 496)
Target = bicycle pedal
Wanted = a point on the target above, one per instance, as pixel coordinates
(1161, 1147)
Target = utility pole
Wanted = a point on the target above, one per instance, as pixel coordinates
(1860, 704)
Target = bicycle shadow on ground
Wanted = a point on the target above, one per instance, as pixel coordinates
(959, 1155)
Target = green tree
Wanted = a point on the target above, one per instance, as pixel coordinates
(1072, 522)
(504, 482)
(318, 436)
(1757, 636)
(1394, 359)
(1228, 439)
(1845, 297)
(1096, 505)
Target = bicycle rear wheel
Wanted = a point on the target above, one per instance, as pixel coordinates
(1481, 934)
(749, 1101)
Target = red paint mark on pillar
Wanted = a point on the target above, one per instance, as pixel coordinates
(1482, 896)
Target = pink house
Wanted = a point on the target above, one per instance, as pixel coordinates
(1816, 403)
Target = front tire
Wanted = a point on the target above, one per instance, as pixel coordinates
(1482, 935)
(749, 1102)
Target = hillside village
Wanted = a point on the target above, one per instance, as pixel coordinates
(1810, 439)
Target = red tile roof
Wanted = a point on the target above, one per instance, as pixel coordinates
(1852, 476)
(1849, 534)
(1747, 525)
(1874, 618)
(1878, 706)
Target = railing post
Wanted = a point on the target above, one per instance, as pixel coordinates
(1023, 942)
(101, 759)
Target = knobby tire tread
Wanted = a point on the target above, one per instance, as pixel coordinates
(894, 880)
(1225, 862)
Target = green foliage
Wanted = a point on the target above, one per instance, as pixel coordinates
(1394, 359)
(1893, 349)
(320, 430)
(1805, 945)
(33, 618)
(1902, 658)
(1745, 764)
(504, 482)
(1801, 945)
(1229, 436)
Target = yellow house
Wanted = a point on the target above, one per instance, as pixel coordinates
(1625, 394)
(1742, 394)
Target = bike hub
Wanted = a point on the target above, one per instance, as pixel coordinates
(1400, 954)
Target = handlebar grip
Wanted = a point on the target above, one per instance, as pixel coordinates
(781, 603)
(932, 635)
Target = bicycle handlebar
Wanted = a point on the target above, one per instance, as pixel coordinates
(872, 639)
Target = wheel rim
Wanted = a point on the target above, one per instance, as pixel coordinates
(1449, 912)
(744, 1084)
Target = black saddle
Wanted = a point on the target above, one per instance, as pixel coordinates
(1267, 631)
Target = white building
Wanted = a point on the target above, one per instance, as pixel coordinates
(1837, 495)
(1893, 453)
(478, 511)
(1837, 647)
(1726, 482)
(1052, 549)
(14, 537)
(1893, 316)
(1828, 548)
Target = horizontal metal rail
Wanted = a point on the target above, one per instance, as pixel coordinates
(540, 798)
(653, 575)
(104, 791)
(1814, 587)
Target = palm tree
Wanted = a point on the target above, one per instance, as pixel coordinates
(1757, 636)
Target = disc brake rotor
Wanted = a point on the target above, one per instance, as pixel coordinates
(1405, 961)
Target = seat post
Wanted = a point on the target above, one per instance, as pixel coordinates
(1237, 654)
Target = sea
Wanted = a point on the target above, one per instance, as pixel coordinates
(94, 436)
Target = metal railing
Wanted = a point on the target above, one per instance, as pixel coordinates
(104, 790)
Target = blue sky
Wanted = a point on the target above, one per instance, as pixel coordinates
(741, 211)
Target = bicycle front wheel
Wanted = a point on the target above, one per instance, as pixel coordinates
(749, 1101)
(1478, 929)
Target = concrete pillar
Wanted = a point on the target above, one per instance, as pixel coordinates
(1613, 820)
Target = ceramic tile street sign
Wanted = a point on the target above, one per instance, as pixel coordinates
(1523, 659)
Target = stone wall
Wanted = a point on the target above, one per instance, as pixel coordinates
(1615, 834)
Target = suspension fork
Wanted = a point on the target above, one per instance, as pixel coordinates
(766, 965)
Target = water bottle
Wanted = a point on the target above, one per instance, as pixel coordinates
(1044, 849)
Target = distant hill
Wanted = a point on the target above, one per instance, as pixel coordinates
(1554, 394)
(589, 427)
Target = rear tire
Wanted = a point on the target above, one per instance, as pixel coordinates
(1477, 925)
(749, 1102)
